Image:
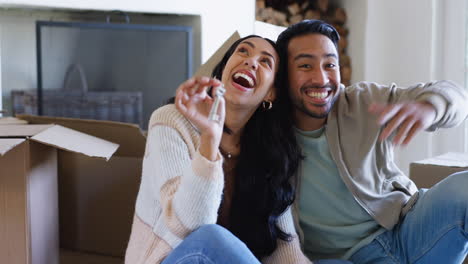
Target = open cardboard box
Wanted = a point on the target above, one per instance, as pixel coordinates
(29, 229)
(97, 197)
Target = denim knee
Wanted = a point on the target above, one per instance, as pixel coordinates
(218, 242)
(218, 236)
(214, 231)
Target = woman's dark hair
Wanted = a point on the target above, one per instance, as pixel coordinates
(265, 173)
(264, 181)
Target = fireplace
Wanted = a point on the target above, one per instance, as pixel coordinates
(106, 65)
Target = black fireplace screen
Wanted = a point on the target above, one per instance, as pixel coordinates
(107, 71)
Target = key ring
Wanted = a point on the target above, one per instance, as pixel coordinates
(213, 116)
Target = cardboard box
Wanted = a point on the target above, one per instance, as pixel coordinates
(426, 173)
(97, 198)
(28, 187)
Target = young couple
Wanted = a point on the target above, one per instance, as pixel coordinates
(296, 156)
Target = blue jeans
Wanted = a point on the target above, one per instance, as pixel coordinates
(435, 230)
(212, 244)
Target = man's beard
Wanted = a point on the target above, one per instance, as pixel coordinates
(299, 104)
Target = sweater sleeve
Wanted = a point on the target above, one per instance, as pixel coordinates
(449, 99)
(189, 188)
(287, 251)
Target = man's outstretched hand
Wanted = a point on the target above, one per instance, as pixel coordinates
(406, 118)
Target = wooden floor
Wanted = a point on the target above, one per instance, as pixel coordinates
(74, 257)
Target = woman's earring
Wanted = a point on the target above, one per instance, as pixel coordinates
(267, 105)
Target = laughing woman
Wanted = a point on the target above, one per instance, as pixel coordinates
(220, 191)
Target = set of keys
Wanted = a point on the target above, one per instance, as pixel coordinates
(213, 115)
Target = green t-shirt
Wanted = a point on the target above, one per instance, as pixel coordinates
(334, 224)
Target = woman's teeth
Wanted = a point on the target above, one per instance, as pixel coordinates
(319, 95)
(245, 77)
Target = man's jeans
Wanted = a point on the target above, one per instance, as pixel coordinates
(212, 244)
(434, 231)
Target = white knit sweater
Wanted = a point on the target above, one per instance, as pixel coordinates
(180, 191)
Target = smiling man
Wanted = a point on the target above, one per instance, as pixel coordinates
(353, 201)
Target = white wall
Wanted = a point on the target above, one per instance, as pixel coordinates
(357, 24)
(18, 55)
(220, 18)
(398, 49)
(451, 32)
(398, 41)
(407, 42)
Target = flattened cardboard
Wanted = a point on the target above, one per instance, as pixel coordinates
(129, 137)
(7, 144)
(22, 130)
(71, 140)
(63, 138)
(12, 121)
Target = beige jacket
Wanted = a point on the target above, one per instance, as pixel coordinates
(366, 165)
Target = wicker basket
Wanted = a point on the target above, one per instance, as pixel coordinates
(116, 106)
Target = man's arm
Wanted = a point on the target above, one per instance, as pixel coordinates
(407, 119)
(407, 111)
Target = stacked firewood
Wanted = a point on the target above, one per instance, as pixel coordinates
(287, 12)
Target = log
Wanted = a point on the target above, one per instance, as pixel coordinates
(345, 60)
(264, 14)
(305, 6)
(279, 17)
(259, 4)
(346, 75)
(296, 19)
(285, 24)
(342, 30)
(258, 14)
(312, 14)
(321, 5)
(294, 9)
(342, 44)
(338, 16)
(270, 21)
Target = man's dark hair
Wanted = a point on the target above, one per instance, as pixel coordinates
(302, 28)
(305, 27)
